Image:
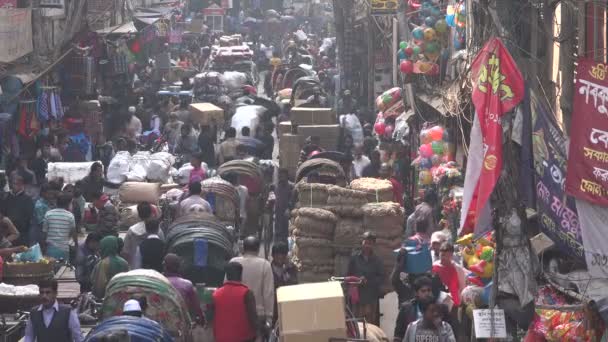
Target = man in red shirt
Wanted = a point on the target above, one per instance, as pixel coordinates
(235, 312)
(386, 172)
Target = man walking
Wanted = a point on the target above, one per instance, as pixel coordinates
(57, 228)
(51, 321)
(258, 276)
(19, 208)
(171, 266)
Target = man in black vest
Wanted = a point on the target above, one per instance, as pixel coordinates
(51, 321)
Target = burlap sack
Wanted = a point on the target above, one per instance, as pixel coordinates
(313, 249)
(348, 232)
(137, 192)
(378, 190)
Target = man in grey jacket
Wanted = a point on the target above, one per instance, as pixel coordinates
(430, 327)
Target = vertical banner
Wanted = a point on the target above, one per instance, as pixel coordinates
(15, 33)
(588, 154)
(498, 87)
(557, 212)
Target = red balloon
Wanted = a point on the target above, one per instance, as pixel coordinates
(409, 51)
(406, 67)
(388, 131)
(380, 128)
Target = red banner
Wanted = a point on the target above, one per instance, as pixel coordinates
(587, 173)
(498, 87)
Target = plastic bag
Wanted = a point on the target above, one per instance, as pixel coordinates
(138, 170)
(234, 80)
(351, 124)
(34, 254)
(247, 116)
(119, 168)
(159, 167)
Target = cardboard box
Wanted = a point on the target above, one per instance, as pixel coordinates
(284, 128)
(329, 134)
(311, 312)
(290, 146)
(313, 116)
(206, 114)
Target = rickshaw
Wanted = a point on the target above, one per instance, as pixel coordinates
(303, 88)
(137, 329)
(328, 169)
(192, 234)
(285, 75)
(251, 176)
(165, 304)
(224, 198)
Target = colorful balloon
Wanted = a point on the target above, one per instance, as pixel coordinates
(426, 150)
(379, 127)
(418, 33)
(409, 51)
(406, 67)
(432, 48)
(403, 45)
(437, 147)
(401, 55)
(441, 26)
(436, 133)
(425, 177)
(417, 50)
(425, 163)
(425, 136)
(388, 131)
(430, 21)
(435, 160)
(429, 34)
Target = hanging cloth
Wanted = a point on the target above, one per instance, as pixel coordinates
(44, 112)
(29, 125)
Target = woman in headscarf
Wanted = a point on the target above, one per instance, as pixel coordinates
(110, 265)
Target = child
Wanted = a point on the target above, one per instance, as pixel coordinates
(430, 327)
(198, 172)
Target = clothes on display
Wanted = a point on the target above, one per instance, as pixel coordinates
(49, 105)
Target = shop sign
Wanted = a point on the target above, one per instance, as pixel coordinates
(52, 3)
(557, 212)
(588, 155)
(384, 6)
(16, 22)
(214, 10)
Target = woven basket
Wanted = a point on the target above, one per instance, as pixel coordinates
(28, 273)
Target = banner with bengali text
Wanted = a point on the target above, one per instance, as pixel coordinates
(557, 212)
(588, 155)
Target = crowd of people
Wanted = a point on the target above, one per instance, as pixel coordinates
(36, 210)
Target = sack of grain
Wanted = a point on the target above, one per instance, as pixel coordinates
(315, 222)
(129, 215)
(348, 211)
(341, 262)
(386, 219)
(339, 196)
(348, 232)
(312, 195)
(378, 190)
(306, 248)
(137, 192)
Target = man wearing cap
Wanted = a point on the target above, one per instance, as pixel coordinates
(132, 308)
(367, 266)
(347, 104)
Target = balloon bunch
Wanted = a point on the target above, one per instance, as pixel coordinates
(456, 17)
(429, 39)
(434, 151)
(479, 258)
(390, 105)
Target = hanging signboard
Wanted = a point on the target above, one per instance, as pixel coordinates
(52, 3)
(588, 155)
(557, 212)
(16, 22)
(384, 6)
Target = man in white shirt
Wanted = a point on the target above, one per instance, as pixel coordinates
(359, 162)
(233, 178)
(257, 275)
(194, 198)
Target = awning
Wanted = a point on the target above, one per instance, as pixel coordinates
(120, 29)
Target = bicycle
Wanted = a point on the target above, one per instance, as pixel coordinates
(352, 322)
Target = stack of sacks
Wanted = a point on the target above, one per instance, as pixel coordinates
(346, 203)
(378, 190)
(312, 232)
(313, 195)
(386, 220)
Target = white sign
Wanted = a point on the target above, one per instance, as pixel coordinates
(15, 22)
(483, 323)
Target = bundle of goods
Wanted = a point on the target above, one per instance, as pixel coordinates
(165, 304)
(347, 237)
(313, 195)
(328, 134)
(378, 190)
(386, 219)
(209, 83)
(313, 249)
(234, 81)
(223, 198)
(140, 167)
(70, 172)
(134, 329)
(137, 192)
(435, 156)
(129, 215)
(312, 116)
(290, 146)
(346, 202)
(14, 298)
(204, 244)
(206, 114)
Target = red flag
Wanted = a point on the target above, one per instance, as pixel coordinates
(498, 87)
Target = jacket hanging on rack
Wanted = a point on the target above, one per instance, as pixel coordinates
(49, 105)
(29, 125)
